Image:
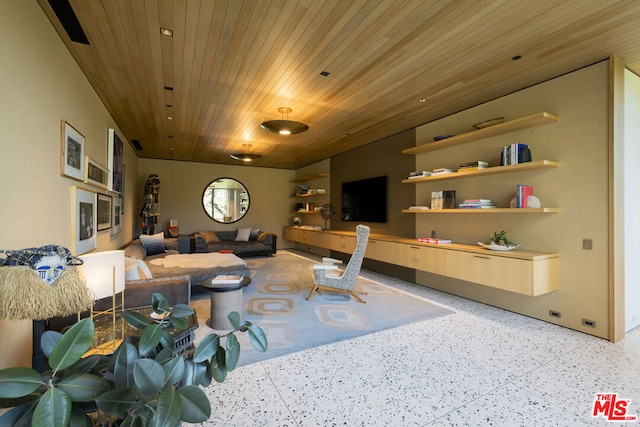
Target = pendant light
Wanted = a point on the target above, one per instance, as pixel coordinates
(246, 156)
(284, 126)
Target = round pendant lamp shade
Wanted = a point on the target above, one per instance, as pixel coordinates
(246, 156)
(284, 126)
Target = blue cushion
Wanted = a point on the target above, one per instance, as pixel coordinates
(153, 244)
(255, 232)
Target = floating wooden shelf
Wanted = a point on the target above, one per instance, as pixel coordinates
(310, 195)
(538, 164)
(501, 129)
(483, 211)
(311, 177)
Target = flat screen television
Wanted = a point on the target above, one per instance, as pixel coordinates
(365, 200)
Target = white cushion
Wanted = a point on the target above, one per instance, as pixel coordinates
(243, 234)
(136, 269)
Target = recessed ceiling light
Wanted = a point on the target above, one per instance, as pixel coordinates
(166, 32)
(170, 118)
(324, 73)
(422, 100)
(168, 88)
(515, 58)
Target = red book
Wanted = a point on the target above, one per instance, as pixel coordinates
(524, 191)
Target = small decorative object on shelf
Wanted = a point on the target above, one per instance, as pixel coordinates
(499, 241)
(297, 221)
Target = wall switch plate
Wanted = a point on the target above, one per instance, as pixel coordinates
(587, 244)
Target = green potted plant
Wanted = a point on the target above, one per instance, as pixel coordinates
(141, 384)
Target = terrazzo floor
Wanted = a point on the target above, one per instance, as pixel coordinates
(481, 366)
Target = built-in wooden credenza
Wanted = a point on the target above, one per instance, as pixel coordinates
(524, 272)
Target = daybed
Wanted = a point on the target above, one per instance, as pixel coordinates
(151, 264)
(243, 242)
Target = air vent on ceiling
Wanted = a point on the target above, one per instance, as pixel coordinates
(136, 144)
(69, 20)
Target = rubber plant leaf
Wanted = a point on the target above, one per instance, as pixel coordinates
(53, 409)
(149, 376)
(18, 382)
(196, 407)
(169, 408)
(73, 344)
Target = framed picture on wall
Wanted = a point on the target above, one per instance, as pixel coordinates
(104, 212)
(71, 152)
(95, 173)
(115, 215)
(116, 162)
(84, 214)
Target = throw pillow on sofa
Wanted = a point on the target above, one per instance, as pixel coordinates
(153, 244)
(243, 234)
(255, 233)
(209, 236)
(136, 269)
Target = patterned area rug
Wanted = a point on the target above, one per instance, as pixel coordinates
(276, 301)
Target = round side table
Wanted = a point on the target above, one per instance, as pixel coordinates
(224, 300)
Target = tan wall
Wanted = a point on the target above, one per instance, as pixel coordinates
(182, 185)
(40, 85)
(579, 187)
(376, 159)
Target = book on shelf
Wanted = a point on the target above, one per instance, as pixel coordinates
(514, 154)
(434, 240)
(418, 174)
(522, 195)
(475, 206)
(478, 164)
(226, 279)
(441, 171)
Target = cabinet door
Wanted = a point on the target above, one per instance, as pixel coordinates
(381, 250)
(321, 240)
(344, 244)
(510, 274)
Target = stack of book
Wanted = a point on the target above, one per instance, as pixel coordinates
(419, 174)
(476, 204)
(469, 166)
(514, 154)
(440, 171)
(433, 240)
(226, 279)
(522, 195)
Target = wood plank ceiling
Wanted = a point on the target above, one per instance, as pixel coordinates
(231, 64)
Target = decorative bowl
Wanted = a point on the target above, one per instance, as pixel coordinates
(495, 247)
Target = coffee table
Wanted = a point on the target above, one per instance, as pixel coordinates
(224, 300)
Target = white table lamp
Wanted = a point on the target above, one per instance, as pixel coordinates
(103, 273)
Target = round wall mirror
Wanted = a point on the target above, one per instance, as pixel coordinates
(225, 200)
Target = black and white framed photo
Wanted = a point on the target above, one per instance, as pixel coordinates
(96, 174)
(116, 162)
(115, 215)
(71, 152)
(104, 211)
(83, 220)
